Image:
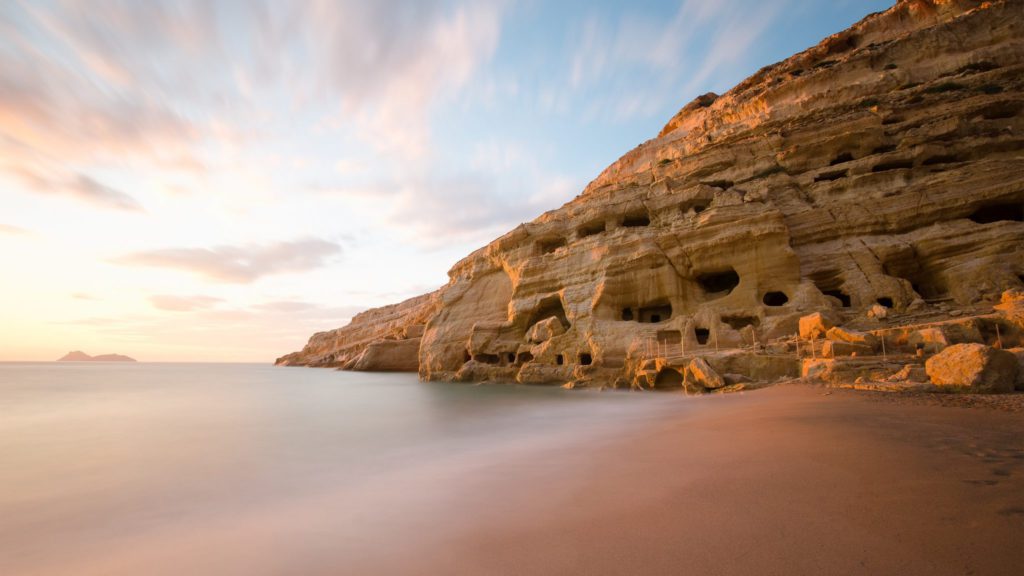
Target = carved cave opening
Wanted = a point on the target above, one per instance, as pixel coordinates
(636, 221)
(885, 301)
(698, 205)
(928, 283)
(775, 298)
(550, 307)
(655, 314)
(830, 283)
(702, 335)
(511, 357)
(668, 378)
(591, 229)
(627, 314)
(892, 165)
(841, 159)
(586, 359)
(719, 283)
(843, 297)
(992, 213)
(487, 358)
(830, 176)
(739, 322)
(559, 359)
(550, 245)
(524, 357)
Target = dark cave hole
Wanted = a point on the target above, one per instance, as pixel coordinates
(843, 297)
(830, 176)
(893, 165)
(720, 184)
(487, 358)
(668, 378)
(942, 159)
(992, 213)
(885, 301)
(656, 313)
(627, 314)
(719, 282)
(586, 359)
(702, 335)
(884, 149)
(559, 359)
(550, 307)
(549, 246)
(591, 229)
(636, 221)
(841, 159)
(775, 299)
(511, 357)
(740, 322)
(524, 357)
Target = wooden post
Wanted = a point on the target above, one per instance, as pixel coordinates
(883, 344)
(999, 339)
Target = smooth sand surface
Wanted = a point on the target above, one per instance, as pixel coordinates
(789, 480)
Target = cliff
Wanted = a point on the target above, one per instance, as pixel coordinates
(879, 174)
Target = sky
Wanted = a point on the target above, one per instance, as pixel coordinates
(216, 181)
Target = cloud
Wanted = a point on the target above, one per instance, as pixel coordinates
(183, 303)
(13, 230)
(239, 264)
(75, 184)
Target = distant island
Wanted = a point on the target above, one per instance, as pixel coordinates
(79, 356)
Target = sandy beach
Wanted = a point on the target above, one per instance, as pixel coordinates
(233, 470)
(790, 480)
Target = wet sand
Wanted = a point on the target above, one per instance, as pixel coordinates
(788, 480)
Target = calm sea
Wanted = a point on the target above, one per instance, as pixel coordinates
(250, 469)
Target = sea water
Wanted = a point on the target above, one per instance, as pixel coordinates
(111, 468)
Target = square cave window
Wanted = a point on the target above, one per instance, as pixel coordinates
(586, 359)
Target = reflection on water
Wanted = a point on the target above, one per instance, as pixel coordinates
(249, 469)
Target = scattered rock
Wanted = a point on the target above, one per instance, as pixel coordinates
(545, 330)
(700, 372)
(974, 368)
(878, 312)
(909, 373)
(838, 334)
(814, 326)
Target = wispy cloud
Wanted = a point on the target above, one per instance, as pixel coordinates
(13, 230)
(183, 303)
(239, 264)
(77, 185)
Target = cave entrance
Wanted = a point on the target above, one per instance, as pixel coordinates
(655, 314)
(636, 221)
(668, 378)
(843, 297)
(993, 213)
(550, 307)
(487, 358)
(591, 229)
(775, 299)
(830, 283)
(885, 301)
(702, 335)
(927, 283)
(549, 245)
(524, 357)
(586, 359)
(627, 314)
(559, 359)
(739, 322)
(719, 283)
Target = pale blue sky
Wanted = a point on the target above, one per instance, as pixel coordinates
(215, 181)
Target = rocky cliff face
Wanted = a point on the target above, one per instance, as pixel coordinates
(882, 168)
(382, 339)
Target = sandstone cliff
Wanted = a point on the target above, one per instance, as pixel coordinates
(882, 169)
(384, 339)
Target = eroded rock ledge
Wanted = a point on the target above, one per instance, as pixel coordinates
(880, 170)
